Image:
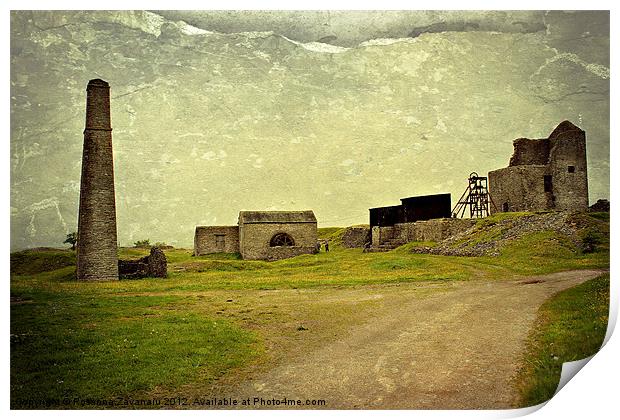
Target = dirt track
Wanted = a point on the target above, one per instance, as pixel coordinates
(457, 348)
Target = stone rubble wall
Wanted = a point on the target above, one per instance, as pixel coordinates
(355, 237)
(519, 188)
(468, 242)
(530, 152)
(434, 230)
(153, 265)
(205, 239)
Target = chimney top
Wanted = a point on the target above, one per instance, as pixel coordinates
(98, 82)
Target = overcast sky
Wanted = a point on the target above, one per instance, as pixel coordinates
(331, 111)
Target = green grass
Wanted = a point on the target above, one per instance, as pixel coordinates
(68, 337)
(570, 326)
(600, 215)
(37, 261)
(328, 232)
(69, 345)
(333, 235)
(539, 253)
(417, 244)
(547, 252)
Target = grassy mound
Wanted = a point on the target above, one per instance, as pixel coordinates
(331, 234)
(33, 261)
(502, 234)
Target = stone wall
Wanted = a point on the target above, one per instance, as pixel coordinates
(381, 234)
(213, 239)
(519, 188)
(254, 239)
(282, 252)
(153, 265)
(97, 246)
(530, 152)
(435, 230)
(355, 237)
(375, 236)
(568, 168)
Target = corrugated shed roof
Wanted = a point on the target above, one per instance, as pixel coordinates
(305, 216)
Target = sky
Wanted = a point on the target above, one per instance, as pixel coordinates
(333, 111)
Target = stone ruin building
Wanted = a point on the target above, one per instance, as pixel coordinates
(544, 174)
(96, 247)
(153, 265)
(261, 235)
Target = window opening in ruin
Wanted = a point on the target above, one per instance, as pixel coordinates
(548, 183)
(282, 239)
(505, 207)
(220, 242)
(571, 169)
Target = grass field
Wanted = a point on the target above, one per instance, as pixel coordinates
(570, 326)
(215, 314)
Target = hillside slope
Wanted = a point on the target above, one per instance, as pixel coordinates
(561, 232)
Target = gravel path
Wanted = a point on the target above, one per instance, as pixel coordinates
(456, 349)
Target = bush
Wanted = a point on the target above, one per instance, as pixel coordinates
(590, 240)
(145, 243)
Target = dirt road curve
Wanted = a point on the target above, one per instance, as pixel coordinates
(453, 349)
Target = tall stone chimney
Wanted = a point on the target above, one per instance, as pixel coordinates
(96, 248)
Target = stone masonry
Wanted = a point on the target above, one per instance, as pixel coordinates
(435, 230)
(213, 239)
(97, 247)
(544, 174)
(153, 265)
(261, 235)
(257, 229)
(356, 237)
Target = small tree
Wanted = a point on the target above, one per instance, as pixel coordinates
(71, 239)
(145, 243)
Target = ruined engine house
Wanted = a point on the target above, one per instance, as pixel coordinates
(544, 174)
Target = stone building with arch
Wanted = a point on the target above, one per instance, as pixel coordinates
(261, 235)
